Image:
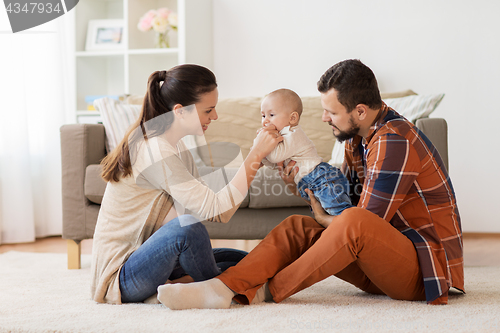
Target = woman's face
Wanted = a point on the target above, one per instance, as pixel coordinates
(206, 110)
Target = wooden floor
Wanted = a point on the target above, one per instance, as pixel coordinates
(479, 249)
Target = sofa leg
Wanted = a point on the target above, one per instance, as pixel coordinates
(74, 254)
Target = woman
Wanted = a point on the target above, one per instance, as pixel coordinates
(142, 238)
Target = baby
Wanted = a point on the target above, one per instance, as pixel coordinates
(283, 109)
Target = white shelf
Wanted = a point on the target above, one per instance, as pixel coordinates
(154, 51)
(87, 113)
(126, 70)
(88, 117)
(99, 53)
(124, 52)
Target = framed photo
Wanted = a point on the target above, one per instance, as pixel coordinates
(105, 35)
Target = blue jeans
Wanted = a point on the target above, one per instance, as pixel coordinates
(330, 187)
(180, 247)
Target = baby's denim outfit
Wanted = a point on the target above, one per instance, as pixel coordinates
(330, 187)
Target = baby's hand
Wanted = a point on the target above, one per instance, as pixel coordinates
(266, 140)
(263, 127)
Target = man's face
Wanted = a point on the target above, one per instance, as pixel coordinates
(336, 115)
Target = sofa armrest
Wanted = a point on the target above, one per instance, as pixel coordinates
(436, 129)
(81, 145)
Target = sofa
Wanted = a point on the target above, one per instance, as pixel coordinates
(268, 202)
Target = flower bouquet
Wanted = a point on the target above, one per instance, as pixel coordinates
(162, 21)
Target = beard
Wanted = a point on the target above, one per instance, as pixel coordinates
(346, 135)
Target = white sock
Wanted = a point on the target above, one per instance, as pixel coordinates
(210, 294)
(154, 298)
(262, 295)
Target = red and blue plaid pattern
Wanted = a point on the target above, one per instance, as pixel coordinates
(405, 182)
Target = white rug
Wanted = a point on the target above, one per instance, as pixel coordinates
(38, 294)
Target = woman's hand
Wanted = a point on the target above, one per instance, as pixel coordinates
(320, 215)
(267, 139)
(288, 175)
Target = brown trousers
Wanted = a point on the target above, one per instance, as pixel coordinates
(358, 247)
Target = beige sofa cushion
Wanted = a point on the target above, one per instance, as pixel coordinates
(216, 182)
(269, 191)
(318, 131)
(239, 120)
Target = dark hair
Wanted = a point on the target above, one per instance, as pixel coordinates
(354, 83)
(184, 85)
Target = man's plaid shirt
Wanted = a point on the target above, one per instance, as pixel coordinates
(405, 182)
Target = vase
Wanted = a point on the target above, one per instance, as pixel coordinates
(161, 40)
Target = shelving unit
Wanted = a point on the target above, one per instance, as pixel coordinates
(126, 71)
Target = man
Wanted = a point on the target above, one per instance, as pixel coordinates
(403, 239)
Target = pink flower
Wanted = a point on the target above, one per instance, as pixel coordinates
(145, 22)
(160, 20)
(164, 12)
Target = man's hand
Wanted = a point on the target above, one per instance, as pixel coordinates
(320, 215)
(288, 174)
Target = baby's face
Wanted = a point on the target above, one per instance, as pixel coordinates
(275, 111)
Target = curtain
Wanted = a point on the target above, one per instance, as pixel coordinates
(36, 80)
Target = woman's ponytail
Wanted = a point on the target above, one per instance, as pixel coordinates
(184, 85)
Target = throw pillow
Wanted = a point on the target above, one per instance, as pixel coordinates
(116, 118)
(397, 94)
(411, 107)
(415, 107)
(318, 131)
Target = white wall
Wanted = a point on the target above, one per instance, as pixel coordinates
(430, 46)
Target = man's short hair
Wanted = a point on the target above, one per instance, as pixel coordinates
(354, 83)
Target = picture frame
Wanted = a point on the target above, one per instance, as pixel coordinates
(105, 35)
